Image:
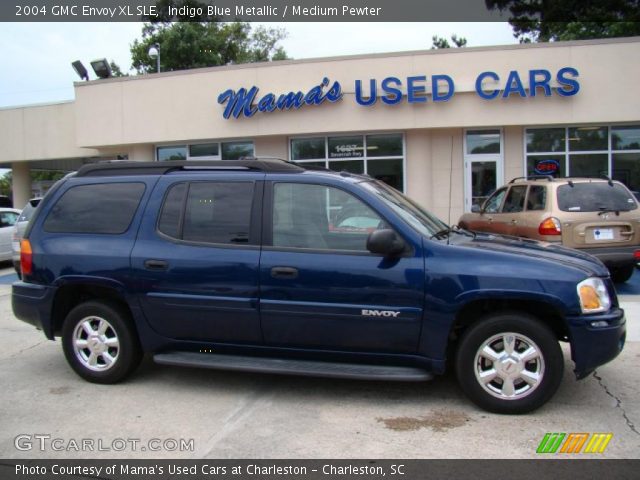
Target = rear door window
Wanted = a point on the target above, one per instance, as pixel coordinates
(537, 198)
(594, 197)
(208, 212)
(515, 199)
(98, 208)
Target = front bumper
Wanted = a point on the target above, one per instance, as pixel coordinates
(614, 256)
(592, 346)
(33, 304)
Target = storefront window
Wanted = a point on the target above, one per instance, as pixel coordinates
(546, 165)
(585, 139)
(620, 161)
(589, 165)
(384, 145)
(380, 156)
(546, 140)
(353, 166)
(178, 152)
(206, 151)
(308, 148)
(346, 147)
(236, 150)
(626, 168)
(625, 138)
(483, 141)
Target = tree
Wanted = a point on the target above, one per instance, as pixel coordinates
(441, 42)
(116, 71)
(546, 20)
(194, 42)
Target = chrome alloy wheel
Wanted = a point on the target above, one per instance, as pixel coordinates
(509, 366)
(96, 343)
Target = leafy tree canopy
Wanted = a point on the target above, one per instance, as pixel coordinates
(441, 42)
(547, 20)
(203, 42)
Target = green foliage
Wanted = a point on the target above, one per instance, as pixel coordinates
(441, 42)
(544, 21)
(203, 43)
(116, 71)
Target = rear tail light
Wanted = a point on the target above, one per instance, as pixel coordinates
(550, 226)
(636, 255)
(26, 257)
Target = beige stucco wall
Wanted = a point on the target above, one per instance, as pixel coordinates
(178, 106)
(40, 132)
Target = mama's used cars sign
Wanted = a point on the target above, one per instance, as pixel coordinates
(393, 90)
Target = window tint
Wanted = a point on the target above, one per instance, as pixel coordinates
(7, 219)
(218, 212)
(483, 141)
(169, 223)
(537, 198)
(493, 203)
(591, 197)
(515, 199)
(102, 208)
(320, 217)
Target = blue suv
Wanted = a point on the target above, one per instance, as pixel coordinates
(266, 266)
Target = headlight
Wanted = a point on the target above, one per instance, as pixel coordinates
(593, 296)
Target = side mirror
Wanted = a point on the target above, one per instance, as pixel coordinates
(385, 242)
(476, 209)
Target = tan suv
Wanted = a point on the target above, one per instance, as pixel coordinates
(598, 216)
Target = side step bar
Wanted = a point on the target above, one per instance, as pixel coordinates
(293, 366)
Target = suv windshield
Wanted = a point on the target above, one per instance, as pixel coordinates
(411, 212)
(595, 196)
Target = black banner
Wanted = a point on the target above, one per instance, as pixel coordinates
(247, 10)
(584, 469)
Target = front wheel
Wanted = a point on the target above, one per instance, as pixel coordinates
(100, 343)
(509, 363)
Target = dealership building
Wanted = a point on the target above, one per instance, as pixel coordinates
(444, 126)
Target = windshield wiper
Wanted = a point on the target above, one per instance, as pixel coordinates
(445, 232)
(603, 210)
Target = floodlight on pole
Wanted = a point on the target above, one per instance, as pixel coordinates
(154, 52)
(80, 70)
(102, 68)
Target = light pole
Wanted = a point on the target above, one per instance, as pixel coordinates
(154, 52)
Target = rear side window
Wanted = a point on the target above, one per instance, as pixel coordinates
(102, 208)
(212, 212)
(515, 199)
(594, 197)
(537, 198)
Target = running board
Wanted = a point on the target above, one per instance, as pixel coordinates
(293, 366)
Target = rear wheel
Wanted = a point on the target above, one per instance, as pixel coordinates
(100, 342)
(621, 274)
(509, 363)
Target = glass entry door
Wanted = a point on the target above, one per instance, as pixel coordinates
(483, 165)
(483, 181)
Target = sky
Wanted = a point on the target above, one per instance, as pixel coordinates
(36, 57)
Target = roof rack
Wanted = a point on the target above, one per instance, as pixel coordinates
(533, 177)
(124, 167)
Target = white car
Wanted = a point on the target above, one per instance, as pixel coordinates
(8, 218)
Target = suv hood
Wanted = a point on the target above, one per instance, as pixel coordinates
(536, 249)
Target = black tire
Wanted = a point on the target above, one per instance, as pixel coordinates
(621, 274)
(126, 355)
(549, 365)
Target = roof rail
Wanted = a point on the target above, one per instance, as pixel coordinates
(123, 167)
(533, 177)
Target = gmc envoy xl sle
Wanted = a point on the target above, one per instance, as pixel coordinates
(262, 265)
